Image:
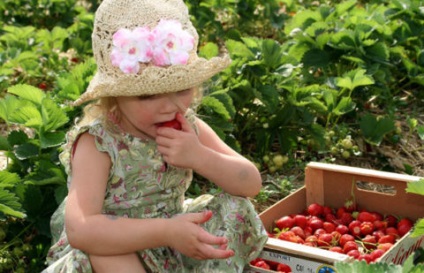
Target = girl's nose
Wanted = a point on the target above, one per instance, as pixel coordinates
(171, 103)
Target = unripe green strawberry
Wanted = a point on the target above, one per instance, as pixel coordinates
(346, 154)
(279, 160)
(347, 143)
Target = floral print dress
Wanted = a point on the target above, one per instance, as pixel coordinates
(141, 185)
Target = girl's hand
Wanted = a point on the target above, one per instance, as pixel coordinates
(178, 147)
(192, 240)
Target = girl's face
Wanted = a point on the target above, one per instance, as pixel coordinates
(141, 116)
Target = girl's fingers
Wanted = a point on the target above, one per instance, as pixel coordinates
(185, 126)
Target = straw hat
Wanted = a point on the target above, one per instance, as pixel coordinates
(146, 47)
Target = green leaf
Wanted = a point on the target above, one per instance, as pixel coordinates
(28, 115)
(374, 129)
(9, 204)
(52, 115)
(353, 79)
(222, 96)
(239, 49)
(415, 187)
(58, 35)
(271, 53)
(27, 92)
(344, 106)
(316, 58)
(420, 131)
(209, 50)
(269, 96)
(9, 104)
(26, 150)
(60, 193)
(344, 6)
(51, 139)
(217, 106)
(4, 144)
(344, 39)
(8, 179)
(418, 228)
(32, 199)
(379, 51)
(17, 138)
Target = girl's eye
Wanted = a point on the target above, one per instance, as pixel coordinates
(146, 97)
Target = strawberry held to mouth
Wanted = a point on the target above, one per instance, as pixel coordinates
(175, 124)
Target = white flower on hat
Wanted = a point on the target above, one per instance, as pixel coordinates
(171, 43)
(166, 44)
(131, 47)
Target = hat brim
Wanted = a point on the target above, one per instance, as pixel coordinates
(154, 79)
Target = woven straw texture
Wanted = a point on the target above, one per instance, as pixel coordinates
(111, 81)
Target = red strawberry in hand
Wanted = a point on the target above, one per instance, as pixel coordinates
(175, 124)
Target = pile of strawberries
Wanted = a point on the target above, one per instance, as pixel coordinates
(270, 265)
(364, 235)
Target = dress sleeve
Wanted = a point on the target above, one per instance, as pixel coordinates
(103, 142)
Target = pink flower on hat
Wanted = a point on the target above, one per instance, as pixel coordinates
(166, 44)
(171, 44)
(130, 48)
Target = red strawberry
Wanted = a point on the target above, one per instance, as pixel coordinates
(285, 222)
(378, 234)
(327, 210)
(365, 216)
(315, 223)
(262, 264)
(346, 238)
(354, 253)
(393, 231)
(325, 240)
(299, 232)
(377, 254)
(315, 209)
(366, 228)
(329, 227)
(379, 224)
(346, 218)
(300, 220)
(365, 257)
(312, 240)
(369, 242)
(385, 247)
(336, 249)
(175, 124)
(351, 245)
(389, 238)
(391, 220)
(404, 226)
(342, 229)
(284, 268)
(354, 228)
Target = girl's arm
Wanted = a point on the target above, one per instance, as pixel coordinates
(225, 167)
(210, 157)
(95, 233)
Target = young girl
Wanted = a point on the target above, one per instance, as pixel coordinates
(130, 160)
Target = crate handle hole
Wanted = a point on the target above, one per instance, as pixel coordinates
(374, 187)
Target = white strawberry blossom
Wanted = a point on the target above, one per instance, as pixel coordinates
(166, 44)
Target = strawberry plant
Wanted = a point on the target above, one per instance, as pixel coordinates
(335, 64)
(34, 182)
